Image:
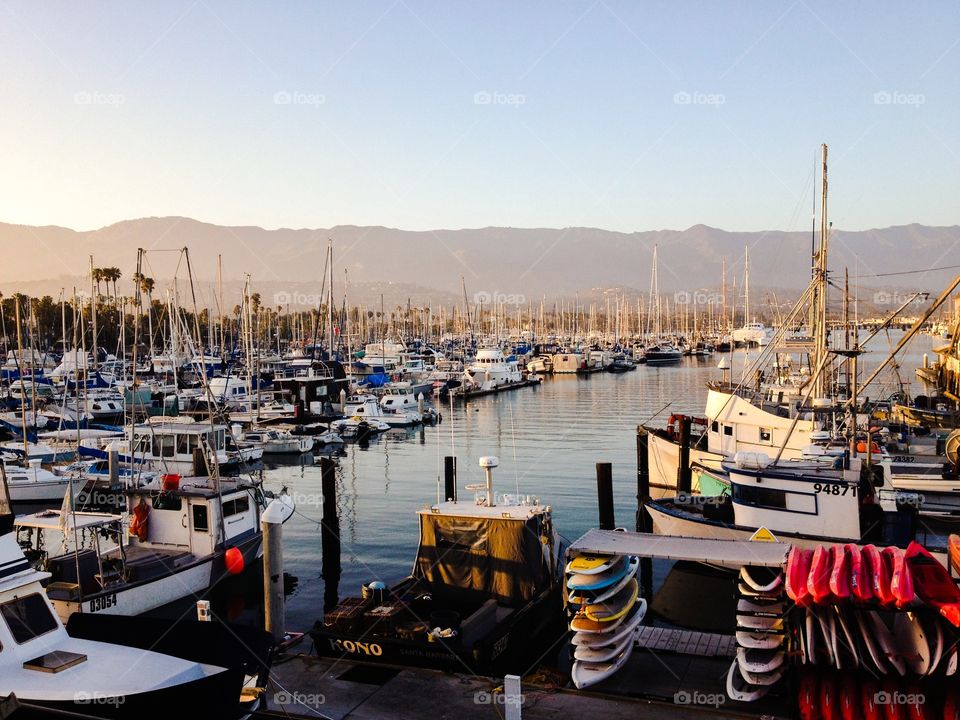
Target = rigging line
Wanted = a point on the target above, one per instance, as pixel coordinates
(909, 272)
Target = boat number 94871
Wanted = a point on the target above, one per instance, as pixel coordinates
(102, 602)
(835, 489)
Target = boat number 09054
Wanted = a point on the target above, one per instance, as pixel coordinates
(833, 489)
(103, 602)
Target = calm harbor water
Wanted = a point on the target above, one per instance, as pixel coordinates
(548, 440)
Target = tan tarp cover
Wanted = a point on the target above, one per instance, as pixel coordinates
(484, 558)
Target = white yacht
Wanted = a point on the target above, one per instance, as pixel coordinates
(34, 484)
(279, 442)
(492, 368)
(753, 333)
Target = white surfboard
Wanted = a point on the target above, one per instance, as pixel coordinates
(934, 632)
(753, 622)
(746, 606)
(759, 641)
(591, 564)
(828, 631)
(951, 662)
(913, 644)
(873, 659)
(845, 654)
(585, 674)
(739, 689)
(759, 661)
(749, 592)
(631, 624)
(603, 653)
(762, 579)
(763, 679)
(886, 641)
(811, 631)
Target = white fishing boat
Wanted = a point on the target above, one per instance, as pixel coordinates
(366, 409)
(42, 665)
(185, 536)
(31, 483)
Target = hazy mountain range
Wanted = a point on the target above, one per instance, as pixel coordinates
(427, 266)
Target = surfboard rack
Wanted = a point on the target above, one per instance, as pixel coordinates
(731, 553)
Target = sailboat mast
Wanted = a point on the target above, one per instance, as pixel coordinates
(820, 304)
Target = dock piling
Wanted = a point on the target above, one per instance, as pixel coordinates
(605, 495)
(271, 522)
(643, 479)
(512, 696)
(450, 478)
(113, 464)
(330, 533)
(684, 476)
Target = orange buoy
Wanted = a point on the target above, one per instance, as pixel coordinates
(234, 560)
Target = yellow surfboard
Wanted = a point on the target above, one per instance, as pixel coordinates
(616, 607)
(591, 564)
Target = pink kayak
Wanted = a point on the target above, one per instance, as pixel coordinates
(879, 574)
(818, 582)
(901, 582)
(861, 584)
(798, 570)
(840, 573)
(932, 582)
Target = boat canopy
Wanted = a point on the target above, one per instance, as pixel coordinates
(476, 557)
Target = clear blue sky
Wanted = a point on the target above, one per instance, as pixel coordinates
(621, 115)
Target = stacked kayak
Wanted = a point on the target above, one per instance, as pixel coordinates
(761, 639)
(606, 614)
(874, 630)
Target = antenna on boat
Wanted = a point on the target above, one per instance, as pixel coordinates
(488, 463)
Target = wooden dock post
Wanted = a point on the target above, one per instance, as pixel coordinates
(644, 522)
(113, 466)
(512, 696)
(330, 533)
(605, 495)
(684, 476)
(271, 522)
(450, 478)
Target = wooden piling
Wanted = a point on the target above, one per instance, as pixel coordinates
(684, 476)
(330, 533)
(605, 495)
(450, 478)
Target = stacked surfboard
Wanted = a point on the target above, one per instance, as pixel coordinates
(605, 614)
(885, 618)
(761, 637)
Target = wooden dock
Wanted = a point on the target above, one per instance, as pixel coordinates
(655, 686)
(468, 395)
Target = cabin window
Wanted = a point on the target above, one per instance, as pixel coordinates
(728, 429)
(167, 501)
(760, 497)
(164, 445)
(764, 435)
(236, 506)
(200, 522)
(715, 426)
(28, 617)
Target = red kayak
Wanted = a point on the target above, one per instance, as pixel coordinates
(918, 710)
(891, 694)
(840, 573)
(830, 696)
(861, 584)
(808, 697)
(932, 583)
(879, 574)
(818, 582)
(951, 704)
(869, 709)
(901, 582)
(798, 570)
(849, 698)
